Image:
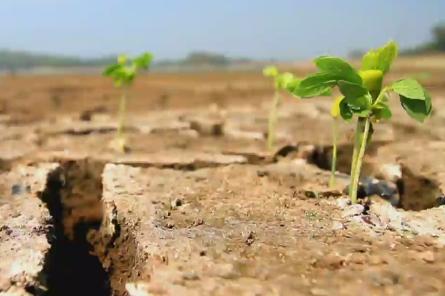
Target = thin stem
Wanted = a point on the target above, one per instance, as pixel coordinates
(273, 116)
(121, 123)
(358, 128)
(362, 132)
(334, 153)
(381, 95)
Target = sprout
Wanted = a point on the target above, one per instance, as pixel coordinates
(282, 81)
(364, 96)
(123, 74)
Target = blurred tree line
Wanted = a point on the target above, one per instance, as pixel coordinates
(436, 45)
(14, 60)
(19, 60)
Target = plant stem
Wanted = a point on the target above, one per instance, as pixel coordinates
(121, 123)
(334, 153)
(273, 116)
(358, 128)
(381, 95)
(361, 138)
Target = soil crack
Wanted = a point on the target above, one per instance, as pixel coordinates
(73, 197)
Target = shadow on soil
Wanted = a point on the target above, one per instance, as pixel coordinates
(414, 191)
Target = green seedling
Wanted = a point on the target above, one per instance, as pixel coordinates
(364, 96)
(282, 81)
(123, 74)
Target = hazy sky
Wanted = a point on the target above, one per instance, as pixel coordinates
(283, 29)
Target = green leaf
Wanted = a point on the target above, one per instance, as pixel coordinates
(270, 71)
(380, 58)
(345, 110)
(417, 109)
(357, 97)
(352, 90)
(290, 86)
(335, 108)
(143, 61)
(360, 105)
(122, 59)
(338, 68)
(341, 108)
(381, 111)
(110, 70)
(409, 88)
(317, 84)
(283, 80)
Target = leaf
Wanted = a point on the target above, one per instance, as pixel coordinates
(381, 111)
(122, 59)
(317, 84)
(360, 105)
(143, 61)
(290, 86)
(417, 109)
(345, 110)
(380, 58)
(409, 88)
(270, 71)
(110, 70)
(338, 68)
(341, 108)
(284, 79)
(357, 97)
(335, 108)
(349, 89)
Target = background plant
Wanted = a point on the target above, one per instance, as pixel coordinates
(364, 97)
(282, 81)
(123, 74)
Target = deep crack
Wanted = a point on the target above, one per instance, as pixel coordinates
(73, 198)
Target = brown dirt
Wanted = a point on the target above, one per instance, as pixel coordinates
(199, 206)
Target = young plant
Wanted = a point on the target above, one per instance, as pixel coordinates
(282, 81)
(123, 74)
(364, 96)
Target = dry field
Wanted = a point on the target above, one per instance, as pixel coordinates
(199, 206)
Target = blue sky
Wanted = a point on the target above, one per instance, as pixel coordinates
(281, 29)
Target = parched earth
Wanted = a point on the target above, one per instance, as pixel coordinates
(198, 206)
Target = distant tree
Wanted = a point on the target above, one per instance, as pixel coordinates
(206, 58)
(439, 37)
(356, 53)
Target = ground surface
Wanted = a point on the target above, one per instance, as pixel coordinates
(199, 206)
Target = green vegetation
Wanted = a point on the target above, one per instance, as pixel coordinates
(15, 60)
(436, 45)
(12, 61)
(364, 96)
(123, 74)
(282, 81)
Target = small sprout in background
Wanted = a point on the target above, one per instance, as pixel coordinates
(364, 96)
(123, 74)
(282, 81)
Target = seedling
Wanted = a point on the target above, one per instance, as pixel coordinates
(123, 74)
(364, 96)
(282, 81)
